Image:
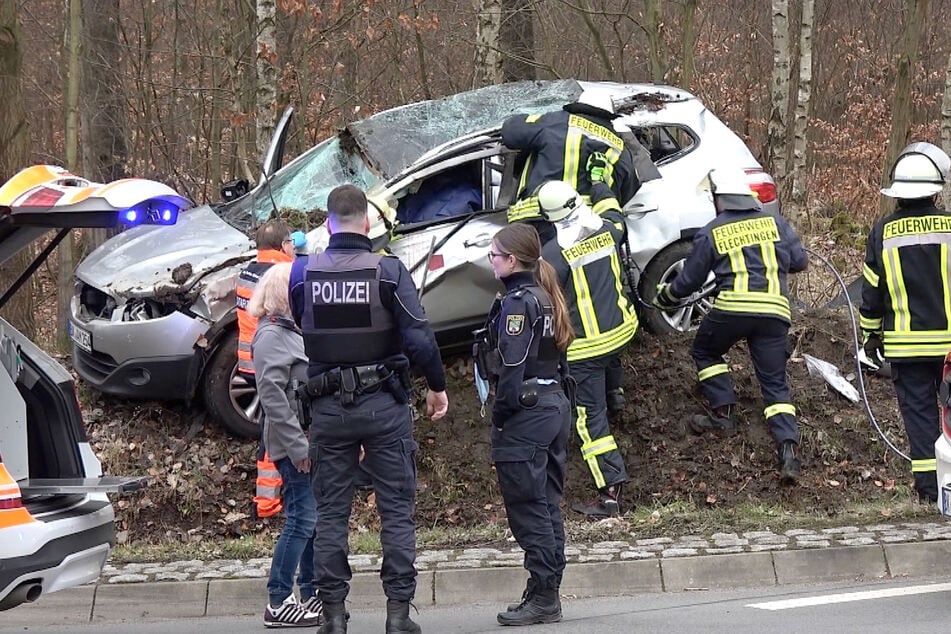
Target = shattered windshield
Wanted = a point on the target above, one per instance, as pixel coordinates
(394, 139)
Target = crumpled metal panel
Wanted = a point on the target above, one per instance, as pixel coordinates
(393, 139)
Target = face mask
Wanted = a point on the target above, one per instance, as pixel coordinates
(482, 387)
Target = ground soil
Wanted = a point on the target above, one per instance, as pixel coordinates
(203, 479)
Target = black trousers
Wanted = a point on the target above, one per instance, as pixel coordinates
(530, 454)
(598, 448)
(385, 430)
(916, 385)
(766, 337)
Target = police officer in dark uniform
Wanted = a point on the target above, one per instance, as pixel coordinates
(524, 353)
(906, 294)
(361, 319)
(750, 252)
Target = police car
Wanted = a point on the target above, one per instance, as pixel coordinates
(56, 521)
(154, 318)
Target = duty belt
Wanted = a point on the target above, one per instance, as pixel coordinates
(531, 389)
(348, 382)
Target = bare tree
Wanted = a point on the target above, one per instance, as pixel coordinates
(803, 99)
(488, 53)
(14, 154)
(654, 24)
(687, 37)
(915, 11)
(946, 127)
(777, 131)
(517, 36)
(266, 65)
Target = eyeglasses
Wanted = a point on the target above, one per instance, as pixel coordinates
(493, 254)
(286, 240)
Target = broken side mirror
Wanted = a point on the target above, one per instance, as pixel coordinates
(233, 190)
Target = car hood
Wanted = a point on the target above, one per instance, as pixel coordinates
(141, 260)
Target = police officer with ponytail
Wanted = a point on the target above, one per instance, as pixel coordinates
(362, 326)
(524, 346)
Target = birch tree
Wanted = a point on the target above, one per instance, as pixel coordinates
(915, 11)
(776, 131)
(803, 98)
(946, 127)
(266, 66)
(488, 54)
(654, 24)
(14, 155)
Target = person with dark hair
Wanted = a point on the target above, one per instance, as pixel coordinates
(279, 361)
(523, 351)
(905, 314)
(363, 326)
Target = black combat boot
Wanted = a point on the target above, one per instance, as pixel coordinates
(335, 619)
(607, 504)
(526, 594)
(720, 421)
(789, 467)
(397, 618)
(543, 606)
(615, 401)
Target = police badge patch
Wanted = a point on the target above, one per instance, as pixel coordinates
(514, 325)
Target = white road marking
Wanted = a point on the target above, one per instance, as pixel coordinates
(847, 597)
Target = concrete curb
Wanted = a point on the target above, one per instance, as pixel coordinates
(497, 585)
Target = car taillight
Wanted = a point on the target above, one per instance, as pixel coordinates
(762, 185)
(11, 503)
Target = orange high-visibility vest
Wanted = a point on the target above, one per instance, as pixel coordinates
(268, 488)
(247, 280)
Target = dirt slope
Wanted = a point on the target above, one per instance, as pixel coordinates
(203, 480)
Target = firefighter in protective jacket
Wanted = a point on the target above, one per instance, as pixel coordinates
(750, 253)
(586, 258)
(906, 300)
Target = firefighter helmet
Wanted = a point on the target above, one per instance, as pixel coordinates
(920, 171)
(557, 200)
(730, 188)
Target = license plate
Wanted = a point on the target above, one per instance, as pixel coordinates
(946, 500)
(82, 338)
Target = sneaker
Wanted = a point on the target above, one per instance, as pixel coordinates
(314, 606)
(290, 614)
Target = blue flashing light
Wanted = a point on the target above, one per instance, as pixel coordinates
(130, 216)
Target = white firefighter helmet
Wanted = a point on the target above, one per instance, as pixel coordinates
(730, 189)
(599, 99)
(382, 216)
(557, 200)
(920, 171)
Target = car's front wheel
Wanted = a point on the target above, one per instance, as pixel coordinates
(664, 268)
(231, 400)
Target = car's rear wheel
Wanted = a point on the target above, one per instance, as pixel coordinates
(231, 401)
(665, 267)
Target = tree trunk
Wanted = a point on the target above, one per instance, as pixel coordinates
(105, 145)
(14, 155)
(654, 19)
(687, 37)
(803, 98)
(517, 36)
(266, 64)
(65, 256)
(598, 40)
(946, 127)
(488, 45)
(915, 11)
(776, 151)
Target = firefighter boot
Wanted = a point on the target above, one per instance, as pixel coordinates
(335, 619)
(615, 400)
(526, 595)
(789, 467)
(543, 606)
(720, 421)
(607, 504)
(397, 618)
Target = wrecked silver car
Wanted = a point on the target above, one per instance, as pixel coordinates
(153, 317)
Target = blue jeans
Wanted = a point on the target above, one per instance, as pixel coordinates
(295, 547)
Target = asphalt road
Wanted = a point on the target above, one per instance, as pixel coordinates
(877, 607)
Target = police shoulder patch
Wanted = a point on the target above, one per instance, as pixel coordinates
(514, 324)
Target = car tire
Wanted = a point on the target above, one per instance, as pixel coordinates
(230, 400)
(665, 267)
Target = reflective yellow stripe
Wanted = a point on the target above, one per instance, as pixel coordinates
(622, 302)
(741, 277)
(584, 303)
(597, 447)
(753, 302)
(712, 371)
(523, 210)
(522, 182)
(573, 141)
(607, 342)
(867, 323)
(944, 284)
(532, 118)
(870, 276)
(768, 250)
(896, 289)
(608, 204)
(780, 408)
(924, 465)
(581, 427)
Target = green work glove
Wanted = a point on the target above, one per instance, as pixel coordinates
(598, 167)
(663, 299)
